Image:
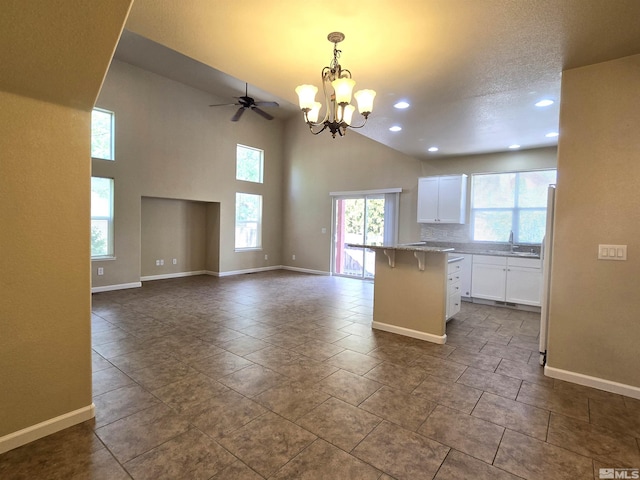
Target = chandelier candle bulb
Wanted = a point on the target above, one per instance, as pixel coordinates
(307, 96)
(347, 115)
(314, 113)
(337, 86)
(343, 88)
(365, 101)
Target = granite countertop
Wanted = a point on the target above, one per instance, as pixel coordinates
(522, 251)
(411, 247)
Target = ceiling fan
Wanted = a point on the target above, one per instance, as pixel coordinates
(246, 102)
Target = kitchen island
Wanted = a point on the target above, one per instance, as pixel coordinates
(410, 290)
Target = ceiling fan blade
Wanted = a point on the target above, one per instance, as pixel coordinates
(223, 104)
(266, 104)
(262, 113)
(238, 114)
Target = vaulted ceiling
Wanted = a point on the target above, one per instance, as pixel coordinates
(471, 69)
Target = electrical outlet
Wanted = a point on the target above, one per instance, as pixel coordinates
(162, 261)
(266, 257)
(175, 261)
(100, 271)
(293, 257)
(157, 263)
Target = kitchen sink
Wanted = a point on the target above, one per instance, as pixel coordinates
(512, 254)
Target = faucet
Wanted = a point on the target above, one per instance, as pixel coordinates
(511, 241)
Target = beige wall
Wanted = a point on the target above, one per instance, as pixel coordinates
(54, 58)
(595, 326)
(535, 159)
(170, 144)
(173, 229)
(318, 165)
(45, 358)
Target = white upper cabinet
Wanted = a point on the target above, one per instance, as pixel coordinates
(442, 199)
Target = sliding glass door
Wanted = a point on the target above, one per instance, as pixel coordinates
(361, 219)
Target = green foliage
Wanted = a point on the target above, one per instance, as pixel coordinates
(249, 162)
(354, 216)
(98, 242)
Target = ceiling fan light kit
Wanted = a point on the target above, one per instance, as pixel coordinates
(246, 102)
(337, 86)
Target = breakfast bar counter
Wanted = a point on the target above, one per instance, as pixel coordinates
(410, 290)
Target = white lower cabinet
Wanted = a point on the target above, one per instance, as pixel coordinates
(507, 279)
(454, 289)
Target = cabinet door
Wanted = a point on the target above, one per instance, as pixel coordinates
(524, 285)
(427, 200)
(453, 305)
(451, 199)
(488, 281)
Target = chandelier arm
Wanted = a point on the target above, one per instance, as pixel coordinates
(363, 123)
(324, 126)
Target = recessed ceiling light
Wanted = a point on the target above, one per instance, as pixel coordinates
(544, 103)
(401, 105)
(433, 149)
(551, 134)
(515, 146)
(395, 128)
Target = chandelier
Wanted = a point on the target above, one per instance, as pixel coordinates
(337, 86)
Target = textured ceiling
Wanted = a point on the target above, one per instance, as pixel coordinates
(471, 69)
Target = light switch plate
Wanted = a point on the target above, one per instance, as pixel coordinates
(612, 252)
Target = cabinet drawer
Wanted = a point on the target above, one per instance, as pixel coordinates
(524, 262)
(491, 260)
(454, 267)
(453, 278)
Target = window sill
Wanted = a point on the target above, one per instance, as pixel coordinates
(103, 259)
(256, 249)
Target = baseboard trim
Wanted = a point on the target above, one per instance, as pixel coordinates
(249, 270)
(42, 429)
(165, 276)
(121, 286)
(407, 332)
(594, 382)
(305, 270)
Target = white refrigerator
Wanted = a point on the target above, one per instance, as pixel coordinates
(546, 255)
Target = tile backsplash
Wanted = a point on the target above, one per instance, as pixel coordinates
(432, 232)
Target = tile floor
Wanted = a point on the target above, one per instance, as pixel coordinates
(278, 375)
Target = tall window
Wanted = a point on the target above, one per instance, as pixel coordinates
(248, 221)
(506, 202)
(249, 164)
(101, 217)
(102, 134)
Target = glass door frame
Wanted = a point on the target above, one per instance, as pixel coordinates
(391, 212)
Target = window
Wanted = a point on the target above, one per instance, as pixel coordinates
(102, 134)
(101, 217)
(249, 164)
(505, 202)
(248, 221)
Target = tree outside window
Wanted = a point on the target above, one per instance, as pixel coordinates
(248, 221)
(516, 202)
(101, 217)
